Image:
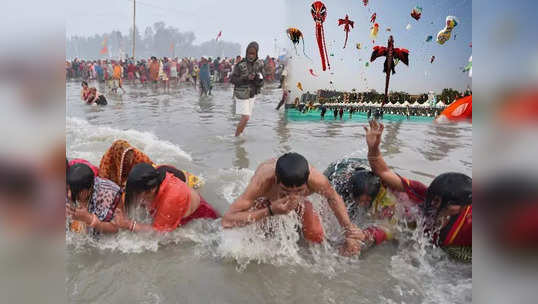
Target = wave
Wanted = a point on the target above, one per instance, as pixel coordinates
(89, 141)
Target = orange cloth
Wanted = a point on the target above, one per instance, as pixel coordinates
(117, 72)
(171, 204)
(312, 227)
(114, 165)
(461, 109)
(154, 70)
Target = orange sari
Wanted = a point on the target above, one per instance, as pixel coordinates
(115, 166)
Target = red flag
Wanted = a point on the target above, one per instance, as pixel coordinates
(104, 50)
(218, 36)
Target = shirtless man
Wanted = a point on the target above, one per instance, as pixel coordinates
(281, 186)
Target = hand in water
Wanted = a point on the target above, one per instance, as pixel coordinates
(351, 247)
(121, 220)
(354, 232)
(78, 214)
(285, 205)
(352, 244)
(373, 134)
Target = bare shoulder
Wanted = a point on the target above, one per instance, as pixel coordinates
(265, 173)
(317, 181)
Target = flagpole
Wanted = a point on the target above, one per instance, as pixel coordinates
(134, 25)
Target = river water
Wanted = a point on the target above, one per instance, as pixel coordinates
(200, 263)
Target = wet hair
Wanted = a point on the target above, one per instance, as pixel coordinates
(79, 177)
(292, 170)
(176, 172)
(452, 188)
(83, 83)
(142, 177)
(364, 182)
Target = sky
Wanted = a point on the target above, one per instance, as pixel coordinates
(240, 21)
(266, 21)
(348, 72)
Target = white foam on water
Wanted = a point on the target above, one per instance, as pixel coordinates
(83, 138)
(427, 268)
(235, 181)
(276, 240)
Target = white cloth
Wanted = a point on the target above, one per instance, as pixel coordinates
(244, 106)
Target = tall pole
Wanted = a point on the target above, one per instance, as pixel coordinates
(134, 27)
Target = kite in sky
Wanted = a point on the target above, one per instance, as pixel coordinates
(469, 67)
(295, 35)
(348, 25)
(374, 31)
(319, 13)
(416, 12)
(391, 53)
(444, 34)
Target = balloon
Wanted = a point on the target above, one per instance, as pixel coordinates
(299, 86)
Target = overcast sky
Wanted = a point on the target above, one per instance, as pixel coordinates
(241, 21)
(264, 21)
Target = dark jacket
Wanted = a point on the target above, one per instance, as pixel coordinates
(242, 70)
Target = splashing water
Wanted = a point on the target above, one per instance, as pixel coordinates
(268, 262)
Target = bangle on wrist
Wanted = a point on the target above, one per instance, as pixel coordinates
(270, 210)
(94, 221)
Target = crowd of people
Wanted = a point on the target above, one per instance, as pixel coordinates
(164, 71)
(105, 199)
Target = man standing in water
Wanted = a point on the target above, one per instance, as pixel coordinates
(247, 78)
(280, 187)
